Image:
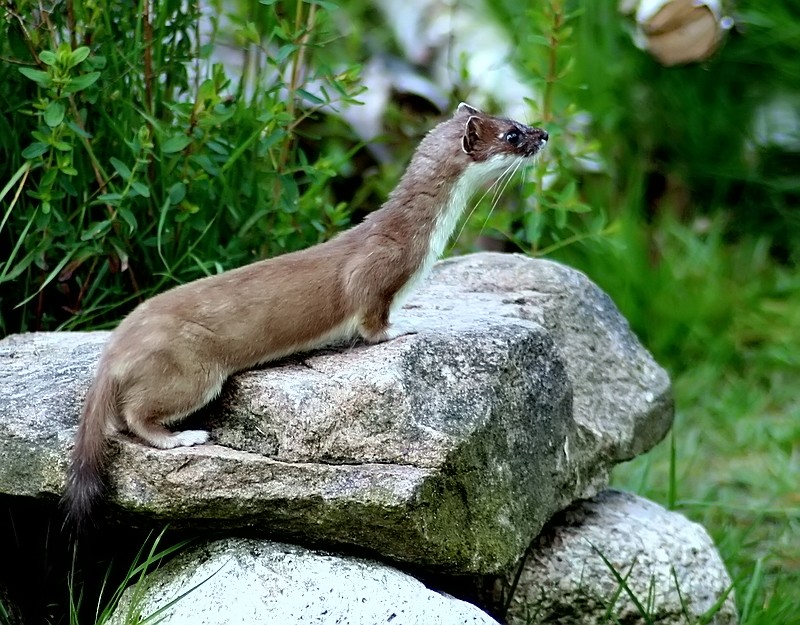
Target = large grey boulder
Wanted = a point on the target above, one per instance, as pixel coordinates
(235, 581)
(668, 563)
(450, 447)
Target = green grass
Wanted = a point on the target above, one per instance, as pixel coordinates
(134, 582)
(737, 473)
(724, 320)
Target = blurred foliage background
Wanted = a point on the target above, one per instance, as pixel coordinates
(132, 158)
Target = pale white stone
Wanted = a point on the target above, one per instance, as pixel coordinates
(241, 581)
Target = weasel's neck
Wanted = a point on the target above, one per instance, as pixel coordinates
(471, 179)
(432, 203)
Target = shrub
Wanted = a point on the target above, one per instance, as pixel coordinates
(129, 162)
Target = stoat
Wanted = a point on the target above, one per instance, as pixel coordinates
(171, 355)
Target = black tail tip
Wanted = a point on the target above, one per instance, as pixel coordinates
(80, 501)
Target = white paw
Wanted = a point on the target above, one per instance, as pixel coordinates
(187, 438)
(398, 330)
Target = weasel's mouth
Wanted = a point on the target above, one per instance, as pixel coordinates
(537, 147)
(536, 141)
(540, 138)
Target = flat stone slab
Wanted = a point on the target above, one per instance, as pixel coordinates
(449, 447)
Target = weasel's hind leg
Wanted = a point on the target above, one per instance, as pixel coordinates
(146, 413)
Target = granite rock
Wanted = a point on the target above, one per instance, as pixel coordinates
(449, 447)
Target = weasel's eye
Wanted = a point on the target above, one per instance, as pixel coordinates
(512, 137)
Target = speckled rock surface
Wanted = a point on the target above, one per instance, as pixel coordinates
(252, 581)
(669, 564)
(449, 447)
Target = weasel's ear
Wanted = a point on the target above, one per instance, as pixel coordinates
(466, 108)
(472, 134)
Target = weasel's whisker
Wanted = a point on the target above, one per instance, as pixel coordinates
(508, 174)
(498, 187)
(475, 207)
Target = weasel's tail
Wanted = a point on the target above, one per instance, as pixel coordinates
(86, 474)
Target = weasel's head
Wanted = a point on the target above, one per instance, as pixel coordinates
(496, 140)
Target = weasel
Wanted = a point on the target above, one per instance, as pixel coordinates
(171, 355)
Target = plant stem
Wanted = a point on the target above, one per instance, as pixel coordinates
(556, 14)
(295, 81)
(556, 9)
(147, 34)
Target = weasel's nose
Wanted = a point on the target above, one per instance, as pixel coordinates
(543, 135)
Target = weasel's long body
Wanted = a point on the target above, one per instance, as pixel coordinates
(171, 355)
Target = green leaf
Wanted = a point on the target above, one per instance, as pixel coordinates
(561, 218)
(98, 61)
(176, 143)
(62, 146)
(109, 198)
(310, 96)
(249, 33)
(141, 188)
(78, 56)
(208, 166)
(47, 57)
(534, 226)
(176, 193)
(539, 40)
(34, 150)
(128, 217)
(280, 32)
(49, 178)
(121, 168)
(97, 229)
(218, 148)
(12, 274)
(64, 50)
(79, 83)
(284, 52)
(36, 75)
(78, 130)
(207, 91)
(54, 114)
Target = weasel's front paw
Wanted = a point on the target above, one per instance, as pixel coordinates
(389, 334)
(395, 332)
